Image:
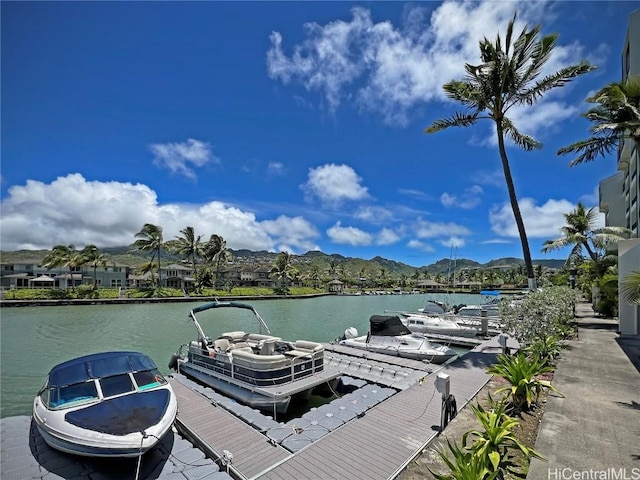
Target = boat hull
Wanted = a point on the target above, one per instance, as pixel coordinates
(59, 433)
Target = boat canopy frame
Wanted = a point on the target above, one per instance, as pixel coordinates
(218, 304)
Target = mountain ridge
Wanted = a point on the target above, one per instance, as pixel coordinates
(126, 256)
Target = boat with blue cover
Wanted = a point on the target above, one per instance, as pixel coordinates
(257, 369)
(108, 404)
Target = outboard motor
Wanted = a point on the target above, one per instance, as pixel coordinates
(350, 332)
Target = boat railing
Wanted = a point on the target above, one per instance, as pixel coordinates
(259, 369)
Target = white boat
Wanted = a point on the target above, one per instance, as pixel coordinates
(388, 335)
(256, 369)
(424, 323)
(110, 404)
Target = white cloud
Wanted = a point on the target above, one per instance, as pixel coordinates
(72, 210)
(424, 229)
(180, 157)
(591, 199)
(349, 235)
(373, 214)
(420, 245)
(454, 242)
(392, 69)
(275, 169)
(334, 184)
(543, 221)
(386, 236)
(469, 199)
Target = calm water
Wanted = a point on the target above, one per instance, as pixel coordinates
(34, 339)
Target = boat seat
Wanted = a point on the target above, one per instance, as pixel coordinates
(221, 344)
(235, 336)
(258, 362)
(307, 346)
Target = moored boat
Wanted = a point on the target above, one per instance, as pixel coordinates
(256, 369)
(388, 335)
(109, 404)
(434, 324)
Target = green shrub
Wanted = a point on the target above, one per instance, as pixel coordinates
(545, 349)
(464, 465)
(523, 376)
(495, 444)
(540, 314)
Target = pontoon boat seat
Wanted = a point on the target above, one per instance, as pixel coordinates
(309, 347)
(221, 344)
(259, 362)
(236, 336)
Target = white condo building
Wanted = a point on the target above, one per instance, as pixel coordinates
(620, 193)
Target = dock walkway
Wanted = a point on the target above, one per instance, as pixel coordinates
(377, 444)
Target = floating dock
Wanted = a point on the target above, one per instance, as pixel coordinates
(367, 434)
(390, 416)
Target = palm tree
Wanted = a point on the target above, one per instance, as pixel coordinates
(150, 240)
(64, 256)
(283, 269)
(615, 117)
(630, 288)
(95, 257)
(581, 233)
(507, 77)
(188, 245)
(215, 252)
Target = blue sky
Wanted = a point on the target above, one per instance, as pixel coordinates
(286, 125)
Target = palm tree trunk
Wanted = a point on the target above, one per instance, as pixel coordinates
(531, 280)
(159, 272)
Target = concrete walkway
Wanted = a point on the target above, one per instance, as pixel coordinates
(594, 431)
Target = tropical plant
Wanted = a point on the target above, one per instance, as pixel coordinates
(64, 256)
(581, 232)
(630, 288)
(545, 349)
(615, 117)
(149, 239)
(215, 252)
(189, 246)
(496, 442)
(464, 465)
(283, 269)
(523, 375)
(95, 258)
(540, 314)
(508, 77)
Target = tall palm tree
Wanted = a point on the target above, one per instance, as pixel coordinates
(215, 252)
(64, 256)
(150, 240)
(283, 269)
(615, 117)
(189, 246)
(95, 258)
(507, 77)
(581, 232)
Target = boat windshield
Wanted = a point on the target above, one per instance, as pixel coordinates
(149, 379)
(70, 395)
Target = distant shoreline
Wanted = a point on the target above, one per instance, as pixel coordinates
(121, 301)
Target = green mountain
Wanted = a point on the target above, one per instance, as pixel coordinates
(351, 266)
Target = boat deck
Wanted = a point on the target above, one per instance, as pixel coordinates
(376, 444)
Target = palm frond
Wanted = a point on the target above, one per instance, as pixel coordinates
(456, 120)
(560, 78)
(525, 142)
(590, 149)
(630, 288)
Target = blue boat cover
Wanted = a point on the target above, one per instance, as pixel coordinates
(98, 365)
(123, 415)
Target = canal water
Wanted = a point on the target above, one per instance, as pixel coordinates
(34, 339)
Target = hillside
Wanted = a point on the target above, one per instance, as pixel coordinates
(372, 267)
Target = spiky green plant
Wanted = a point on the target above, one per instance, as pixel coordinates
(464, 465)
(523, 376)
(496, 442)
(545, 349)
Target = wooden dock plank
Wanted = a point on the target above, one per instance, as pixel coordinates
(221, 430)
